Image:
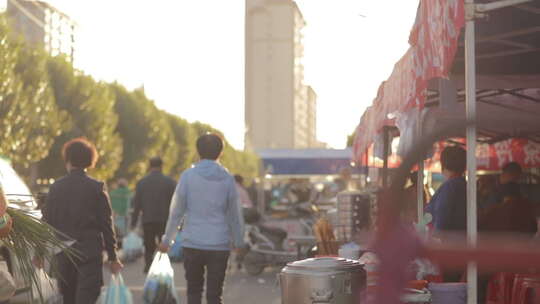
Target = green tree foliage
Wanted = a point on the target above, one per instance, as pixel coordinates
(184, 136)
(350, 140)
(45, 102)
(90, 105)
(146, 133)
(29, 117)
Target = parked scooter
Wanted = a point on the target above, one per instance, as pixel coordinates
(269, 246)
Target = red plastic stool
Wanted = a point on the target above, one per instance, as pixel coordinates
(500, 288)
(519, 283)
(529, 292)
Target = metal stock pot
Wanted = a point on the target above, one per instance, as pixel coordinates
(322, 281)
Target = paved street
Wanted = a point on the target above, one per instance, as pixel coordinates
(240, 288)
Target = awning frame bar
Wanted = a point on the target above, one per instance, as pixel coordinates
(487, 7)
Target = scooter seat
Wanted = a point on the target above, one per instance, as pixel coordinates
(273, 231)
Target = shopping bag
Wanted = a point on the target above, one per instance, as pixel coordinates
(159, 284)
(50, 293)
(176, 253)
(7, 284)
(132, 245)
(116, 293)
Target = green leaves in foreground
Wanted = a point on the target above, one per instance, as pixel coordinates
(32, 237)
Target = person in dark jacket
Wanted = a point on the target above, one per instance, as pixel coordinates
(79, 207)
(508, 182)
(514, 214)
(153, 196)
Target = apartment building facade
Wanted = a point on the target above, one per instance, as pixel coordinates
(280, 110)
(43, 25)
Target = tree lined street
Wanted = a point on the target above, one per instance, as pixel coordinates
(45, 101)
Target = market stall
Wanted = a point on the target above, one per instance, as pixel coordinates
(487, 78)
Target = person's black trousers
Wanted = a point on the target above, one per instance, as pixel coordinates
(80, 282)
(196, 262)
(152, 236)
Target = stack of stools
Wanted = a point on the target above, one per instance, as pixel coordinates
(354, 214)
(512, 288)
(526, 289)
(500, 288)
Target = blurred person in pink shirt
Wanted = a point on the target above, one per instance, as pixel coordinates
(243, 196)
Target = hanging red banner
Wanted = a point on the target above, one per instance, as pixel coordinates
(494, 157)
(434, 41)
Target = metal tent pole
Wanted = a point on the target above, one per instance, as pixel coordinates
(499, 4)
(470, 82)
(386, 154)
(420, 180)
(261, 201)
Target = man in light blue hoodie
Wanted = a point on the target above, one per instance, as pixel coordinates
(207, 201)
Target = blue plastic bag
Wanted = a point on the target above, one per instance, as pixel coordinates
(159, 284)
(175, 253)
(117, 292)
(121, 225)
(132, 245)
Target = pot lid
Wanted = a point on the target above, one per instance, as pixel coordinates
(328, 263)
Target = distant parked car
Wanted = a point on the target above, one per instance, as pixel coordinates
(19, 197)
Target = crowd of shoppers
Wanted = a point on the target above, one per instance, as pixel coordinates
(207, 201)
(503, 207)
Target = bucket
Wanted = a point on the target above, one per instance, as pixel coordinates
(448, 293)
(349, 251)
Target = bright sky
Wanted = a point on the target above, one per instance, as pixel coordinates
(190, 55)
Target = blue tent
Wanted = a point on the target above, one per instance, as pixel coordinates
(307, 161)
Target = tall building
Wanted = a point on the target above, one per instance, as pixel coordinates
(280, 109)
(311, 118)
(41, 24)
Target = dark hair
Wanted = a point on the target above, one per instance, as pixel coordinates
(454, 158)
(239, 179)
(80, 153)
(210, 146)
(512, 168)
(156, 162)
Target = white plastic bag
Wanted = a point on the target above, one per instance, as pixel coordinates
(7, 284)
(48, 287)
(116, 293)
(159, 285)
(132, 245)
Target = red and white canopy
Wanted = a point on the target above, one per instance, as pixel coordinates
(508, 67)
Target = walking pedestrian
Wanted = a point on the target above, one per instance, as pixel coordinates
(79, 207)
(152, 197)
(120, 201)
(245, 200)
(206, 196)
